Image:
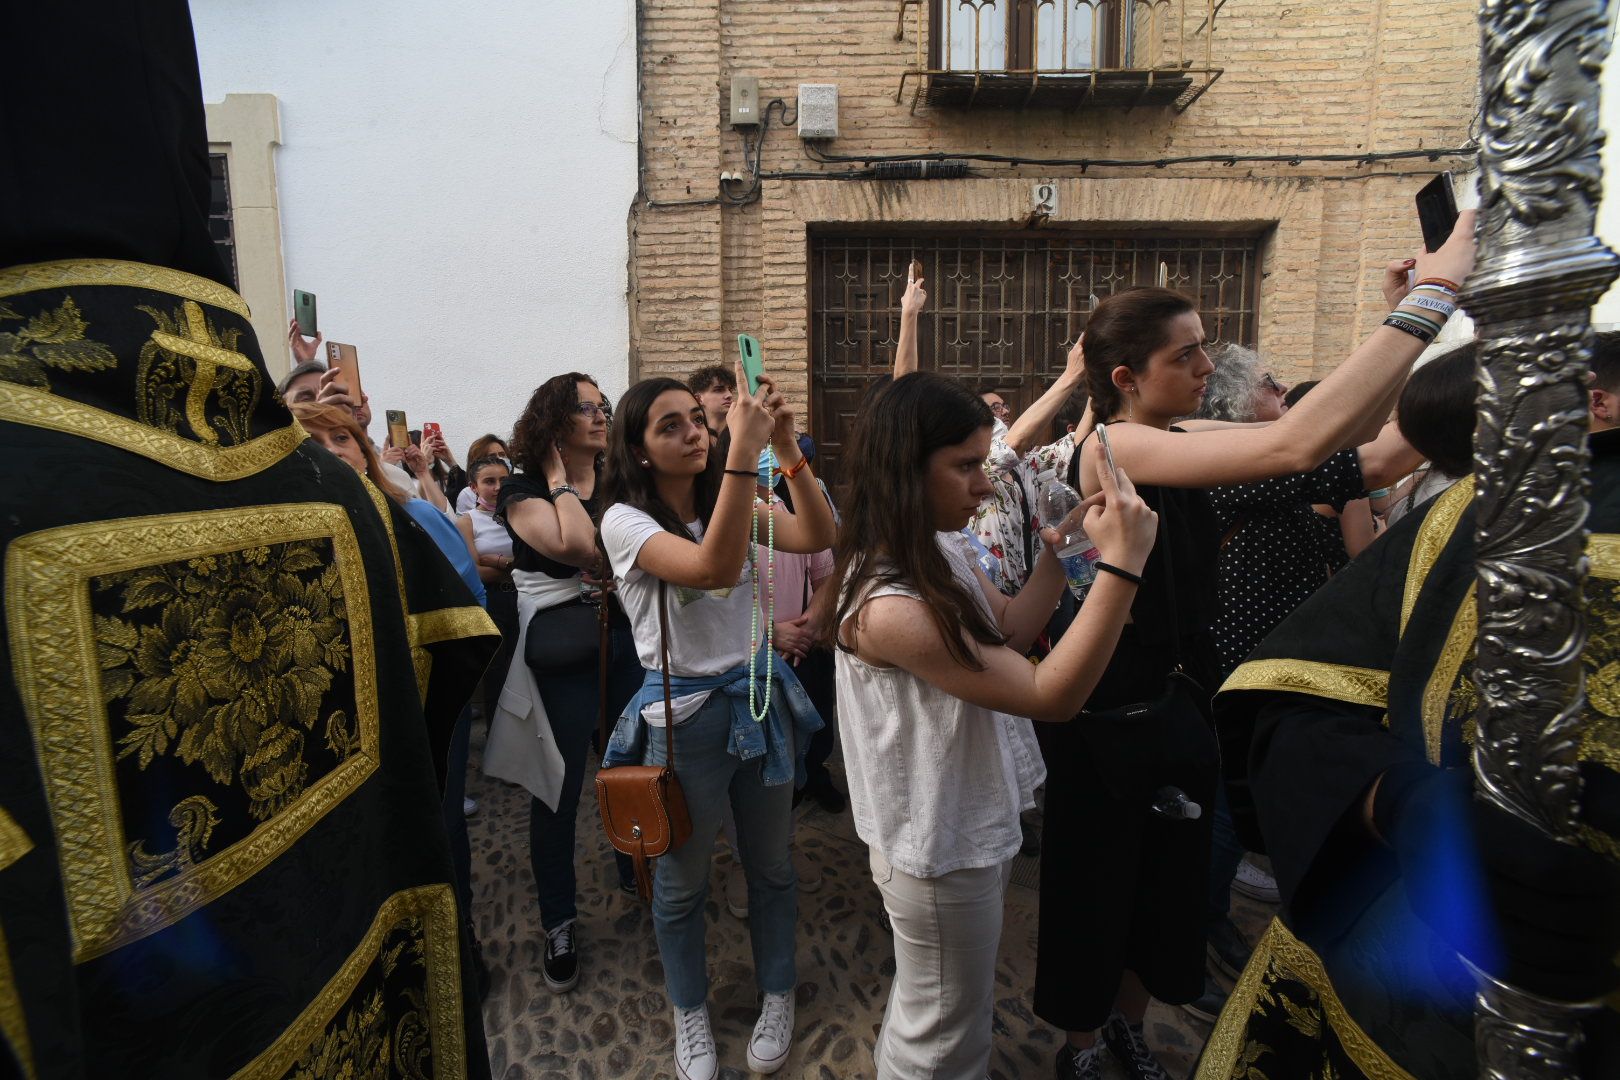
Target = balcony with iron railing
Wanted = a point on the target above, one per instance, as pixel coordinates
(1060, 53)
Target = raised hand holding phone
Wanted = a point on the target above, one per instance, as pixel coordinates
(1122, 526)
(753, 361)
(750, 422)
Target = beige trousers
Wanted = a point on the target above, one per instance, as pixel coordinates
(946, 931)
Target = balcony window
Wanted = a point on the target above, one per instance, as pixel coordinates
(1062, 53)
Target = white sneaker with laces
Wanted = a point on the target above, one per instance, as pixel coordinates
(695, 1058)
(772, 1040)
(1256, 883)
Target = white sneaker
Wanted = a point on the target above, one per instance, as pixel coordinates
(736, 890)
(1255, 882)
(808, 870)
(695, 1058)
(468, 807)
(773, 1035)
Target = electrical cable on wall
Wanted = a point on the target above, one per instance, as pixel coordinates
(952, 165)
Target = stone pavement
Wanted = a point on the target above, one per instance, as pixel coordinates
(616, 1022)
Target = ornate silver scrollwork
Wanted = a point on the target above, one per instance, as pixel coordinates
(1540, 270)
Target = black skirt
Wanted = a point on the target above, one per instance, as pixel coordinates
(1122, 889)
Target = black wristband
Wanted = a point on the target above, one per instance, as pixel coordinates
(1110, 568)
(752, 474)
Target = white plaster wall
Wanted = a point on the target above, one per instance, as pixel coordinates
(1606, 315)
(454, 182)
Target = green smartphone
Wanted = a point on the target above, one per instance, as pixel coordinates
(304, 312)
(752, 360)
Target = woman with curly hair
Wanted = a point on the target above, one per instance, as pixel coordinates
(540, 730)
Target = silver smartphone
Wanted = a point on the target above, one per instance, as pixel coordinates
(1108, 453)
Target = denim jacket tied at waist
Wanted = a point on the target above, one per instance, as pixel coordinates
(790, 705)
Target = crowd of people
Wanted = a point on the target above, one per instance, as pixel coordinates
(1209, 631)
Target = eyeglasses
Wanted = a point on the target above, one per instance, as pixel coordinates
(589, 409)
(1271, 383)
(999, 408)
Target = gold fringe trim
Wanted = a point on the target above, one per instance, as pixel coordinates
(1459, 643)
(38, 408)
(1432, 538)
(72, 273)
(1357, 685)
(1280, 951)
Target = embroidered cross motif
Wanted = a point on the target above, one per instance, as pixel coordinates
(195, 344)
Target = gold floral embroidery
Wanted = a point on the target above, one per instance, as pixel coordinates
(1280, 958)
(393, 1008)
(233, 674)
(1359, 686)
(215, 636)
(51, 339)
(188, 359)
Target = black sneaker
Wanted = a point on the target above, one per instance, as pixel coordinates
(1228, 952)
(828, 797)
(561, 964)
(1126, 1046)
(1208, 1007)
(1076, 1064)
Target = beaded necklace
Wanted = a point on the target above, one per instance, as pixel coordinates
(767, 470)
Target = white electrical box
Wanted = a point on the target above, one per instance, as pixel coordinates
(818, 110)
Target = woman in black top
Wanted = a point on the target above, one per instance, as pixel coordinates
(1122, 912)
(550, 510)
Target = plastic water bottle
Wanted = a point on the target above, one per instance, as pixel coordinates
(1172, 803)
(1076, 552)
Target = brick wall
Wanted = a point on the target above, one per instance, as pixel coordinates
(1352, 76)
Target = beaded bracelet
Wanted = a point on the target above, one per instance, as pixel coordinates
(1422, 333)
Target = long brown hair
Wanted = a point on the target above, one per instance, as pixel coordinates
(330, 417)
(886, 537)
(626, 480)
(1126, 329)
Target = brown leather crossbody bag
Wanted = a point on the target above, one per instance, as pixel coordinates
(643, 806)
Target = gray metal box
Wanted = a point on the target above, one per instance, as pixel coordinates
(818, 110)
(744, 100)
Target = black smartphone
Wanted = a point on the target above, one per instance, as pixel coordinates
(304, 312)
(1437, 211)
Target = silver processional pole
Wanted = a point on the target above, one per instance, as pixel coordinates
(1540, 270)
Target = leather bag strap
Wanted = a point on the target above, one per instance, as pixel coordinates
(663, 655)
(604, 657)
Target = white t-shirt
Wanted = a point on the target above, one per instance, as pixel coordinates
(708, 630)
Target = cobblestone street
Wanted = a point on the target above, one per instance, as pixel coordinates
(616, 1022)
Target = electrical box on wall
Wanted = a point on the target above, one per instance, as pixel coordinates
(744, 100)
(818, 110)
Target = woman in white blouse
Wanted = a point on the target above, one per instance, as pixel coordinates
(935, 689)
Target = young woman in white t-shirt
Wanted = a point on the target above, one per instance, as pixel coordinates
(676, 515)
(933, 692)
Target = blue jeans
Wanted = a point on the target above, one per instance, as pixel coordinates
(571, 706)
(710, 776)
